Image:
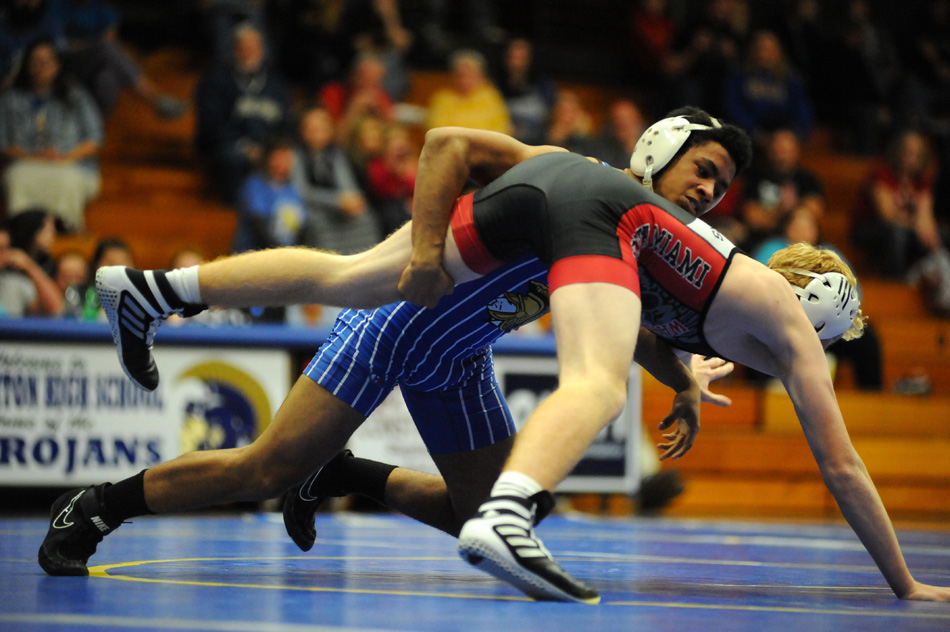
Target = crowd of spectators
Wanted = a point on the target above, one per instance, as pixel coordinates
(301, 125)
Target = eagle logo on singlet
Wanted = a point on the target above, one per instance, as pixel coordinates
(512, 310)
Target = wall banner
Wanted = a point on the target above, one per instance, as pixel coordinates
(69, 416)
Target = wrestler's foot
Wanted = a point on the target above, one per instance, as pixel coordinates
(136, 302)
(76, 528)
(500, 540)
(301, 503)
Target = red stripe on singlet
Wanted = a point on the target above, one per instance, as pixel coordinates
(593, 269)
(470, 245)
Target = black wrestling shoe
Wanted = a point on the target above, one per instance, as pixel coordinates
(301, 503)
(76, 528)
(136, 302)
(500, 540)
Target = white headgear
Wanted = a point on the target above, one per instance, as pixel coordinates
(659, 143)
(830, 302)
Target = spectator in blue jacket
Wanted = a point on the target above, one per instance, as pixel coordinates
(768, 92)
(271, 211)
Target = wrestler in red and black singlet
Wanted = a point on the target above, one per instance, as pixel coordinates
(592, 223)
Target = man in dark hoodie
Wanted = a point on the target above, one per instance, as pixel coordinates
(239, 106)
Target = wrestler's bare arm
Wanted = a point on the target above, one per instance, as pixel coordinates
(654, 355)
(801, 365)
(450, 156)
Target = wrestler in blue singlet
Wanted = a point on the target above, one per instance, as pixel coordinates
(441, 358)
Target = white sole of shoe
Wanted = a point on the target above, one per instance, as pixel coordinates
(476, 548)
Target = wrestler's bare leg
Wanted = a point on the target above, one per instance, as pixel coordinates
(288, 276)
(310, 427)
(595, 328)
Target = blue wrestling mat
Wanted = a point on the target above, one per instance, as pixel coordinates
(371, 572)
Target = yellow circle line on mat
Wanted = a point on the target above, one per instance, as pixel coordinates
(103, 571)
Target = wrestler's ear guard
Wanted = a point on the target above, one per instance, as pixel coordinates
(830, 302)
(659, 143)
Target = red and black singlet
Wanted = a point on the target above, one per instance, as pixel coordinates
(591, 223)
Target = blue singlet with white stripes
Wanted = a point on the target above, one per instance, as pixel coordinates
(440, 358)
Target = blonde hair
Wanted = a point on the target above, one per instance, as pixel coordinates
(804, 256)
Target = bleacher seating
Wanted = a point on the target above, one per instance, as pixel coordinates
(153, 193)
(752, 459)
(749, 460)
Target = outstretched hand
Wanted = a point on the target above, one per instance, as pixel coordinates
(424, 284)
(705, 370)
(686, 416)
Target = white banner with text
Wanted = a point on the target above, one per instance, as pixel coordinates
(69, 415)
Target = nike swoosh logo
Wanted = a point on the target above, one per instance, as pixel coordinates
(60, 521)
(305, 494)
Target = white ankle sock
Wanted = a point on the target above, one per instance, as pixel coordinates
(185, 283)
(515, 484)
